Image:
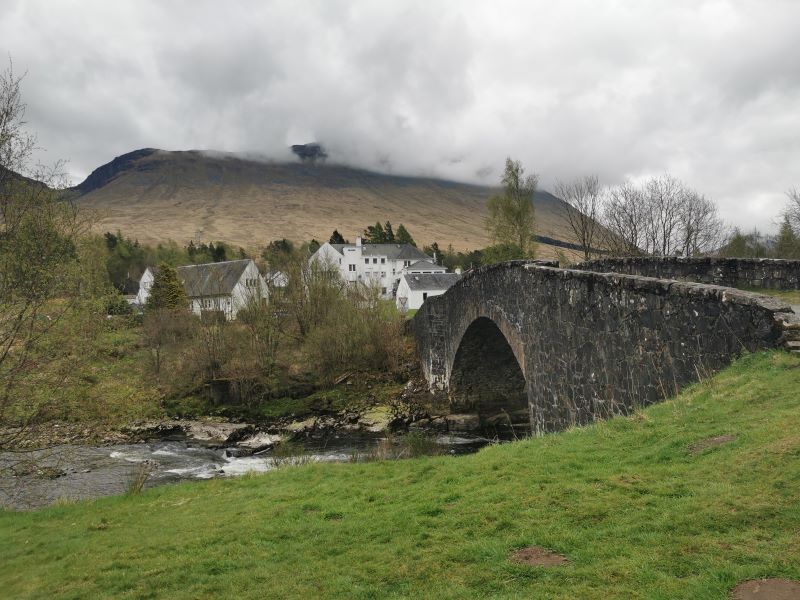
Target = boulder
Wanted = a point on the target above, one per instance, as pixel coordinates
(463, 422)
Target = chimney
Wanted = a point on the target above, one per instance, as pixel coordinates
(358, 241)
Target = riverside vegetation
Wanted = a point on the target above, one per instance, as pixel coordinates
(681, 500)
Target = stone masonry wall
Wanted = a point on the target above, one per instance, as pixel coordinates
(590, 344)
(768, 273)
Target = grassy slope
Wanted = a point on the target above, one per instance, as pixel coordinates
(188, 195)
(636, 513)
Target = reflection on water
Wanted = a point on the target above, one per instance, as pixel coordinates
(35, 479)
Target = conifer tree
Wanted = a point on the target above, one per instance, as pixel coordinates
(167, 290)
(787, 245)
(388, 233)
(403, 236)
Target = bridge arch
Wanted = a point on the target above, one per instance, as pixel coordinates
(587, 344)
(487, 374)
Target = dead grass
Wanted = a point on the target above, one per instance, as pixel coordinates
(187, 196)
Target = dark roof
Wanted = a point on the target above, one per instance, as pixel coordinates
(211, 279)
(390, 251)
(426, 265)
(431, 281)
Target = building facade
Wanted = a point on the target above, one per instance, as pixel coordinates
(379, 265)
(415, 288)
(223, 287)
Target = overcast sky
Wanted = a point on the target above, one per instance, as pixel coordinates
(706, 90)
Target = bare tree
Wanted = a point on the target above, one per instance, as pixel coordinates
(624, 218)
(662, 217)
(792, 212)
(701, 228)
(581, 210)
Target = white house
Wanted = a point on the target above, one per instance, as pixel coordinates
(380, 265)
(414, 289)
(225, 287)
(425, 266)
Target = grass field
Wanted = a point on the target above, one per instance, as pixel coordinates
(790, 296)
(642, 507)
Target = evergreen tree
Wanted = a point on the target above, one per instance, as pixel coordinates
(433, 252)
(374, 234)
(337, 238)
(404, 237)
(787, 245)
(736, 246)
(388, 233)
(167, 290)
(191, 249)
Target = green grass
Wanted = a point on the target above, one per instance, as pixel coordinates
(788, 296)
(635, 511)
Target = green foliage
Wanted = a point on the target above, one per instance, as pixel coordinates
(404, 237)
(167, 290)
(388, 233)
(638, 513)
(501, 253)
(745, 245)
(337, 238)
(375, 234)
(787, 245)
(511, 219)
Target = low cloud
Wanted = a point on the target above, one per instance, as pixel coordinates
(705, 89)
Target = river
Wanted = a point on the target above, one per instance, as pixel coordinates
(75, 472)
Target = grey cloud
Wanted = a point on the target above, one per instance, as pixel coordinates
(706, 89)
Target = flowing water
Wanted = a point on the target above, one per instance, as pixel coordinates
(74, 472)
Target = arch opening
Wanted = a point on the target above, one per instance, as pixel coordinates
(487, 379)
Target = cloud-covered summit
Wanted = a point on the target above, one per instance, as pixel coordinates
(705, 89)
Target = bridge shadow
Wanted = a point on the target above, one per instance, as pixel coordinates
(486, 378)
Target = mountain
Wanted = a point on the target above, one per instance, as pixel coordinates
(155, 195)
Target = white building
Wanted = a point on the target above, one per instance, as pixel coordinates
(414, 289)
(225, 287)
(380, 265)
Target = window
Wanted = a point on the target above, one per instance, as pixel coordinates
(351, 268)
(394, 272)
(406, 263)
(383, 261)
(383, 273)
(366, 261)
(374, 261)
(424, 295)
(383, 291)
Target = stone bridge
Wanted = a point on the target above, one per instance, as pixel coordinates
(566, 346)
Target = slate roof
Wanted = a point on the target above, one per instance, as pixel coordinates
(431, 281)
(390, 251)
(426, 265)
(211, 279)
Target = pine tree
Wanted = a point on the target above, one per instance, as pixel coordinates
(337, 238)
(787, 245)
(736, 246)
(404, 237)
(374, 234)
(167, 290)
(388, 233)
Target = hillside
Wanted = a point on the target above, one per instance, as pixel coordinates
(154, 195)
(684, 499)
